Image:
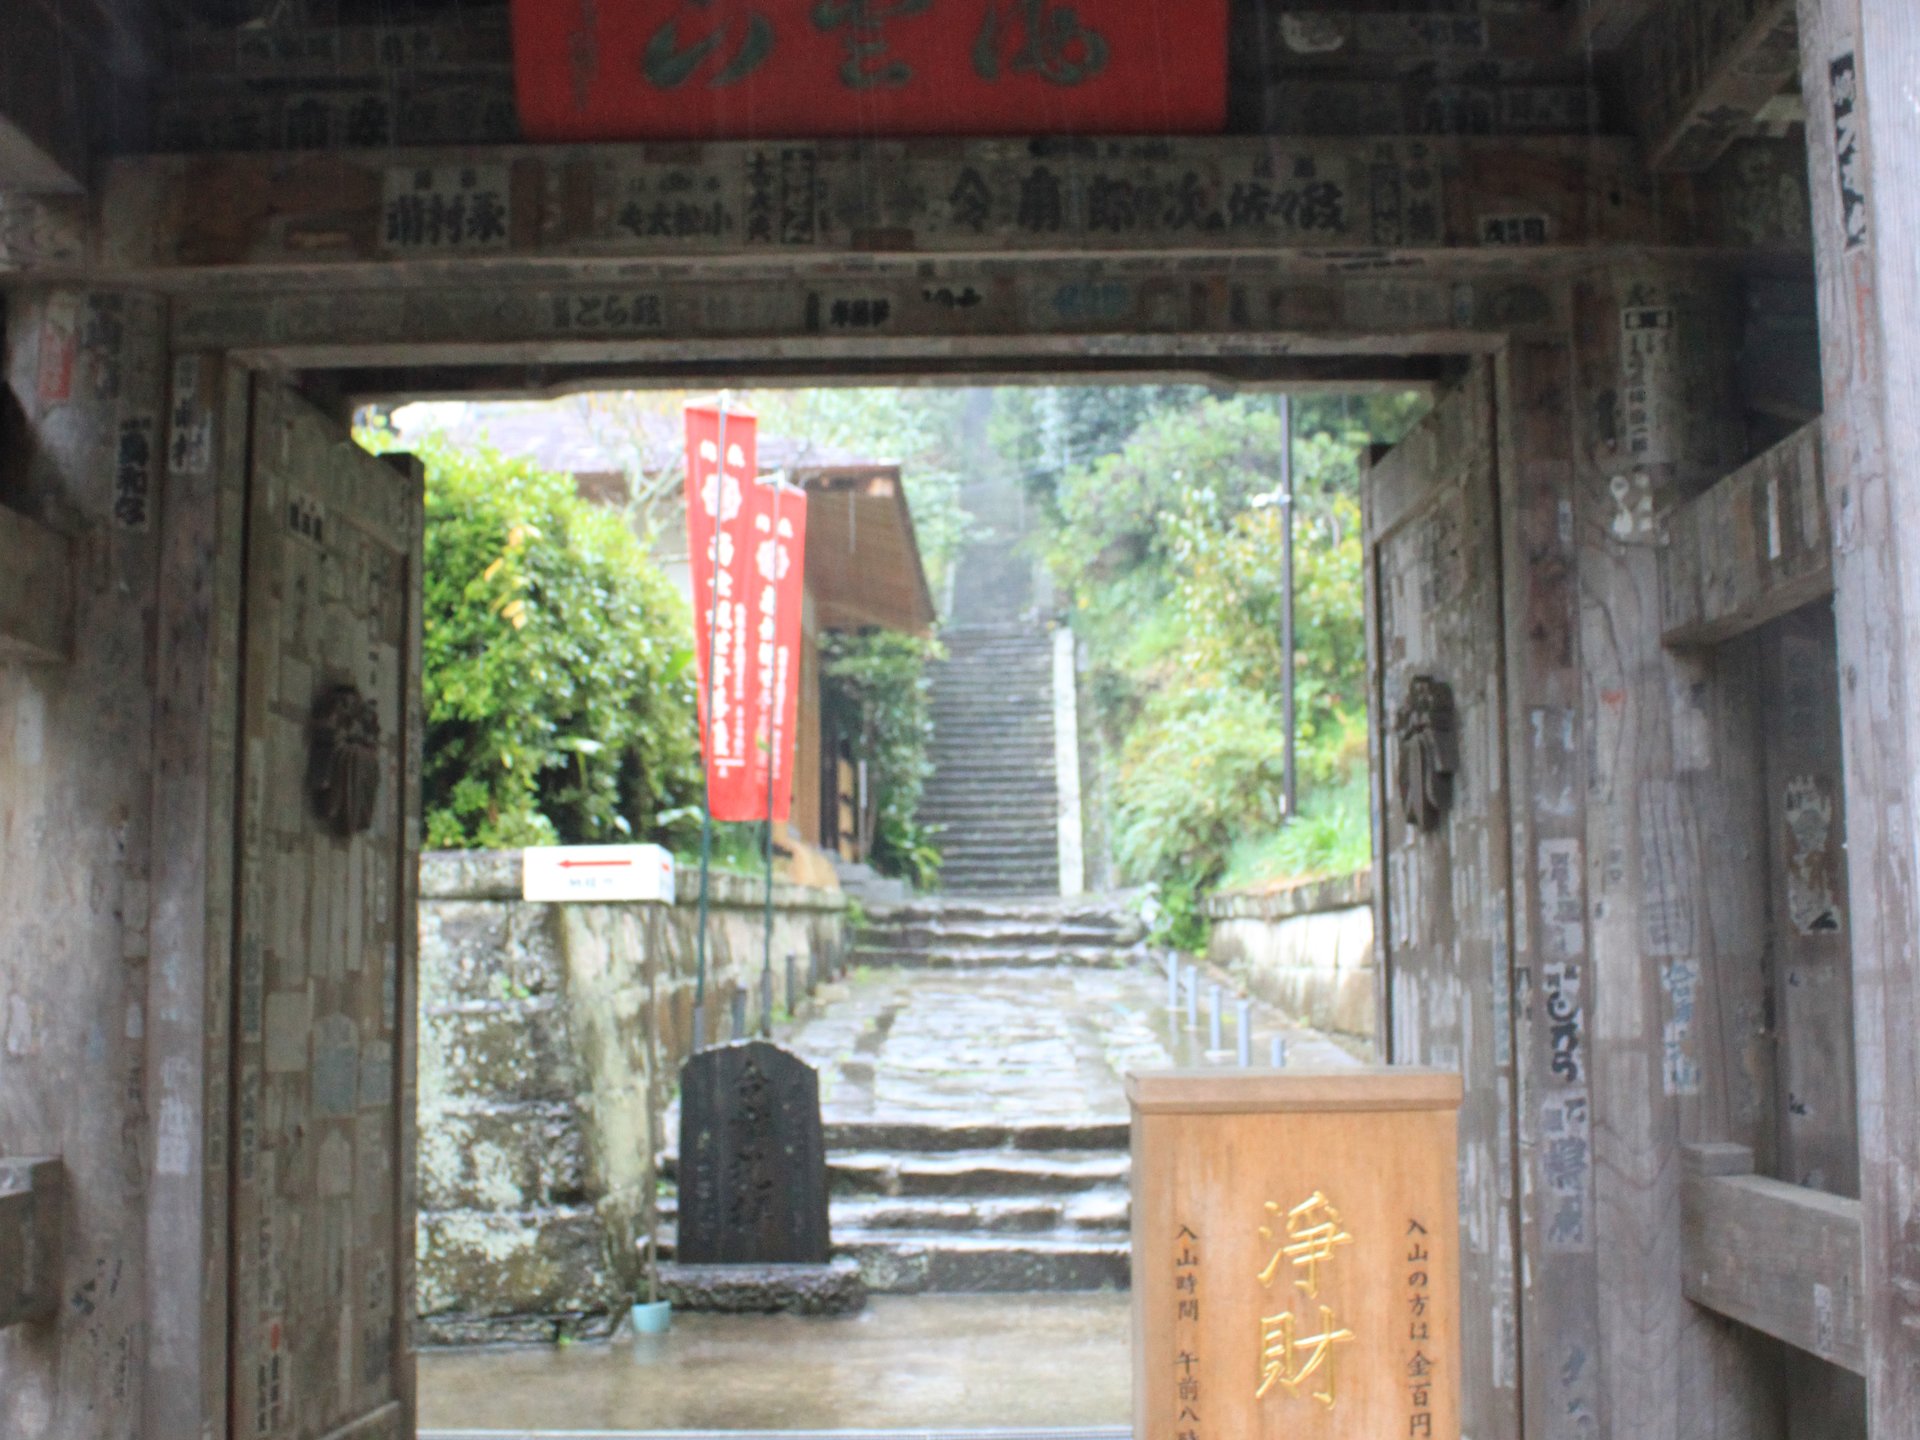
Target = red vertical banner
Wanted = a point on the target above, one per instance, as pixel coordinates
(719, 489)
(779, 577)
(747, 539)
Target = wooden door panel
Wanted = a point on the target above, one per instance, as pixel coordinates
(321, 1298)
(1434, 599)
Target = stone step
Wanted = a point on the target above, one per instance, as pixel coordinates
(1024, 874)
(1034, 880)
(906, 1263)
(1005, 957)
(1095, 1212)
(1089, 1213)
(974, 1173)
(941, 1137)
(968, 811)
(1076, 909)
(1036, 847)
(959, 934)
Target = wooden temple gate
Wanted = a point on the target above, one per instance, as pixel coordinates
(1641, 583)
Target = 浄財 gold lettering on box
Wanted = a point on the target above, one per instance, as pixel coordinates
(1295, 1255)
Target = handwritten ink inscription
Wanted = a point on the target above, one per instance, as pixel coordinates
(432, 209)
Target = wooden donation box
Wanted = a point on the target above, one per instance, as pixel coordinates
(1296, 1264)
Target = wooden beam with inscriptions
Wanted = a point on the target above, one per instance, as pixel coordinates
(1750, 549)
(36, 591)
(1780, 1258)
(1701, 76)
(1324, 205)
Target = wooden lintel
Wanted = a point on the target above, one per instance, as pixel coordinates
(1700, 81)
(1750, 549)
(1384, 207)
(36, 591)
(1779, 1258)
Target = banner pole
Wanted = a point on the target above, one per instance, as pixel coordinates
(775, 709)
(706, 743)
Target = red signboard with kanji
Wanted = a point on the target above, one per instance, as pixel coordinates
(748, 541)
(759, 69)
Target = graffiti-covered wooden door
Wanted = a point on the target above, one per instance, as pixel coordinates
(322, 1262)
(1441, 837)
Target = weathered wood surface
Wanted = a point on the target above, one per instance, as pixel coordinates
(321, 1280)
(1552, 1042)
(1809, 940)
(36, 591)
(379, 218)
(1780, 1258)
(1074, 312)
(1750, 549)
(195, 719)
(1858, 62)
(1701, 72)
(1672, 1037)
(76, 905)
(1433, 556)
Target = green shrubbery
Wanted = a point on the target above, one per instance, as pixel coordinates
(558, 665)
(880, 677)
(1168, 545)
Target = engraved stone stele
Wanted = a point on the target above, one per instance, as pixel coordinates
(753, 1169)
(1296, 1264)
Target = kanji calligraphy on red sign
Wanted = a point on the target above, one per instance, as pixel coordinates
(749, 69)
(748, 539)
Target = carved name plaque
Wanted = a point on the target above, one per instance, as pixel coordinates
(1295, 1255)
(707, 69)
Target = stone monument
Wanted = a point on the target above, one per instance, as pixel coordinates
(753, 1163)
(753, 1230)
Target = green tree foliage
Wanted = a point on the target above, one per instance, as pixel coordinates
(880, 676)
(1168, 546)
(558, 665)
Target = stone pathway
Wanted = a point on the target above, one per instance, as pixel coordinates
(976, 1117)
(959, 1047)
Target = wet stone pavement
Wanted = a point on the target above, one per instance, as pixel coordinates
(976, 1127)
(1012, 1046)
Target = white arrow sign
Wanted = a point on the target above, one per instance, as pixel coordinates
(599, 874)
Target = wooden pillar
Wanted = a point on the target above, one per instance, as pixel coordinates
(1859, 59)
(1673, 989)
(1638, 910)
(196, 713)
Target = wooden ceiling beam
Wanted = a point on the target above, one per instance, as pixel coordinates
(387, 221)
(1700, 75)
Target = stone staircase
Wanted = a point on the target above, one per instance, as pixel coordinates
(958, 932)
(973, 1208)
(993, 792)
(981, 1208)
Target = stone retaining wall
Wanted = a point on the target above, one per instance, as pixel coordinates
(541, 1028)
(1307, 948)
